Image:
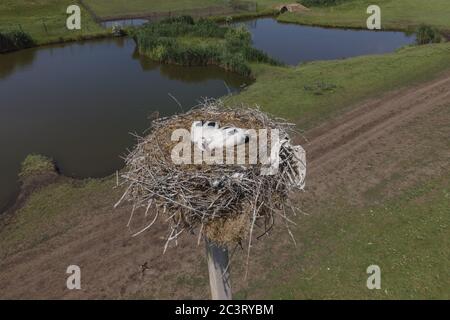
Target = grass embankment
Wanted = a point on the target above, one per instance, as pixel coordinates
(187, 42)
(315, 91)
(395, 14)
(53, 210)
(111, 8)
(45, 20)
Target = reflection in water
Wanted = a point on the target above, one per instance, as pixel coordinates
(191, 74)
(292, 43)
(78, 102)
(10, 62)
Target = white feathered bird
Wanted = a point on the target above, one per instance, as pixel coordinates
(208, 136)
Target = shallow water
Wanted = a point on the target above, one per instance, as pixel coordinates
(293, 43)
(77, 103)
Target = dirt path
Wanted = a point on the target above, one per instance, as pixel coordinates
(375, 118)
(357, 150)
(379, 139)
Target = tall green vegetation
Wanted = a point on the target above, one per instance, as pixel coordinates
(14, 40)
(199, 43)
(427, 34)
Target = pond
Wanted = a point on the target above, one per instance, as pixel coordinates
(77, 103)
(293, 43)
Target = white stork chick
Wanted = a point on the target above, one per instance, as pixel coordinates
(227, 137)
(208, 136)
(201, 131)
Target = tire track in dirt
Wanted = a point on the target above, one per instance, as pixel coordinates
(340, 137)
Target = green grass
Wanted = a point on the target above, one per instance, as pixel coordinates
(319, 90)
(36, 164)
(45, 20)
(407, 237)
(108, 8)
(130, 7)
(395, 14)
(53, 210)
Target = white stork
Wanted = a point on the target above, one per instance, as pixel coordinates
(208, 136)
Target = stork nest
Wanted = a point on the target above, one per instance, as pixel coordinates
(220, 201)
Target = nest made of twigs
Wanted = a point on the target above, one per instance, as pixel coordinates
(221, 201)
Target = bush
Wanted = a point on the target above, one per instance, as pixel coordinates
(235, 62)
(182, 19)
(237, 38)
(427, 35)
(208, 28)
(255, 55)
(182, 26)
(15, 40)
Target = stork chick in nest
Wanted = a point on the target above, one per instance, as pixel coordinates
(207, 135)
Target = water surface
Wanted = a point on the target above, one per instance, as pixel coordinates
(293, 43)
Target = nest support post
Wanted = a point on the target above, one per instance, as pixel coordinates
(218, 267)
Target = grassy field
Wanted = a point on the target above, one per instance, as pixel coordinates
(315, 91)
(123, 7)
(45, 20)
(108, 8)
(395, 14)
(52, 211)
(406, 237)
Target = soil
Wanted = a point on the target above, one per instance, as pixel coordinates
(404, 133)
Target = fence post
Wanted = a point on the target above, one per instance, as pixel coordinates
(218, 267)
(45, 26)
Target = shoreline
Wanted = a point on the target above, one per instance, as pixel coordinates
(445, 33)
(221, 18)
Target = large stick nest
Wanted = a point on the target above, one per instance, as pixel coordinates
(221, 201)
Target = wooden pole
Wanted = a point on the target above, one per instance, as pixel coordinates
(219, 275)
(45, 26)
